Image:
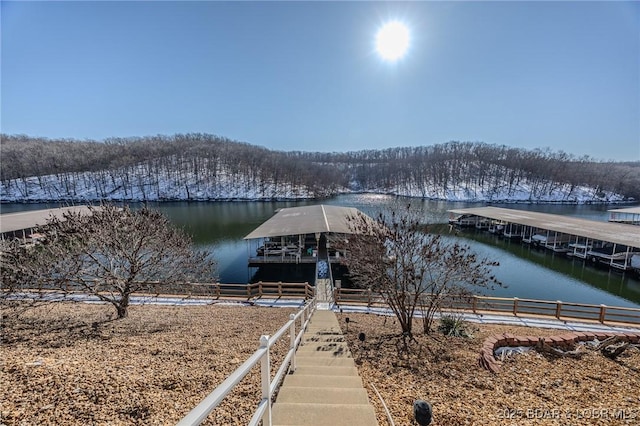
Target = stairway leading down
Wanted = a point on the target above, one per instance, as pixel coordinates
(325, 389)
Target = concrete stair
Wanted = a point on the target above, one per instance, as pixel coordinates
(325, 389)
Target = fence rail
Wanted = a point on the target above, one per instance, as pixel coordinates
(269, 385)
(210, 290)
(507, 305)
(213, 290)
(254, 290)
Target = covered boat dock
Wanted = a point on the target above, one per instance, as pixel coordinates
(24, 225)
(613, 244)
(300, 235)
(305, 235)
(630, 215)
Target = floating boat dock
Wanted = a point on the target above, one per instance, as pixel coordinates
(609, 243)
(629, 215)
(303, 235)
(24, 225)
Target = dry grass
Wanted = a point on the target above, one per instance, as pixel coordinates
(529, 389)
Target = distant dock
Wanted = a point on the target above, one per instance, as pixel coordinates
(629, 216)
(25, 225)
(610, 243)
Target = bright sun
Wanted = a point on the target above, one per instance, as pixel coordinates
(392, 41)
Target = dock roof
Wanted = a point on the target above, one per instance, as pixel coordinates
(11, 222)
(618, 233)
(306, 220)
(632, 210)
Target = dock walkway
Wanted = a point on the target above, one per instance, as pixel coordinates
(325, 388)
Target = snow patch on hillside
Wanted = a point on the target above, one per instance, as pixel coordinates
(141, 184)
(522, 193)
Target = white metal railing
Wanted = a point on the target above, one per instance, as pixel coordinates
(262, 356)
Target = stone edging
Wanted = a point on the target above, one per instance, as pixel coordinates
(564, 341)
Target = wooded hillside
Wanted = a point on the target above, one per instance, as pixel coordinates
(205, 167)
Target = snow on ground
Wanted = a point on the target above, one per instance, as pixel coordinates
(138, 184)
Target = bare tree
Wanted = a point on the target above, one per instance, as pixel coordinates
(114, 252)
(416, 272)
(20, 284)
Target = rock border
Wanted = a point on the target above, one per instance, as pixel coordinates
(488, 361)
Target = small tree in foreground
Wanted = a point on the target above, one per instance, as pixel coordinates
(112, 253)
(416, 272)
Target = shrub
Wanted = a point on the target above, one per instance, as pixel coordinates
(453, 325)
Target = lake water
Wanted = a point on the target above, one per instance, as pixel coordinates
(528, 273)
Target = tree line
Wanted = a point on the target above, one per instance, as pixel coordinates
(204, 166)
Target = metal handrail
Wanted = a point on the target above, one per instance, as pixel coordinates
(269, 386)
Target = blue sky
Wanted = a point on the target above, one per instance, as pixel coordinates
(306, 76)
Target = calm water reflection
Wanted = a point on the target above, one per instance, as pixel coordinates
(221, 226)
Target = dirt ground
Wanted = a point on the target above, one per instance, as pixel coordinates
(71, 364)
(530, 389)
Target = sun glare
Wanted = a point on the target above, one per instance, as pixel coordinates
(392, 41)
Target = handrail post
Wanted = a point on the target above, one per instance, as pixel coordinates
(265, 369)
(515, 307)
(474, 305)
(292, 341)
(303, 317)
(558, 308)
(603, 313)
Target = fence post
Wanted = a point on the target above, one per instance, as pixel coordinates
(265, 369)
(603, 313)
(279, 288)
(474, 305)
(248, 291)
(218, 290)
(515, 306)
(292, 343)
(558, 308)
(259, 288)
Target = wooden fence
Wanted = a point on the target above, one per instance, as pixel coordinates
(246, 291)
(510, 306)
(210, 290)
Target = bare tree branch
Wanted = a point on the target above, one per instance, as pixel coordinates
(413, 270)
(111, 254)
